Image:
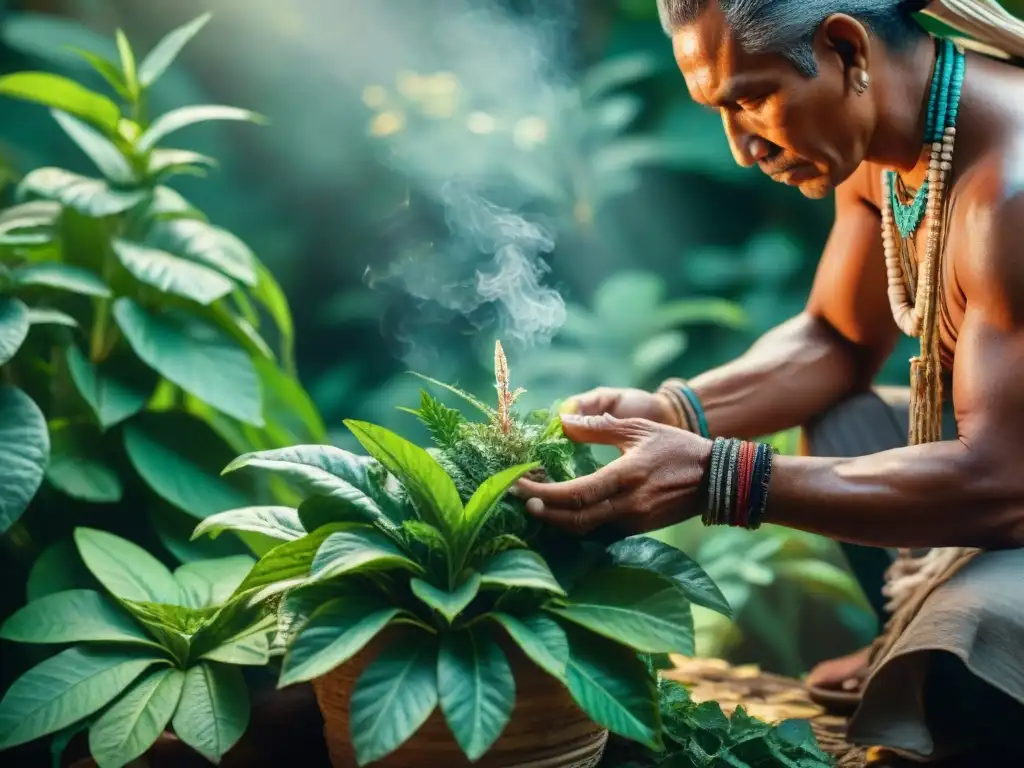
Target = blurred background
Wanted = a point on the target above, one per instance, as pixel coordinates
(439, 173)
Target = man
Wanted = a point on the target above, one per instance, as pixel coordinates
(828, 95)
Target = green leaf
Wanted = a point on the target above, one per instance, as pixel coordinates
(448, 604)
(214, 709)
(177, 456)
(640, 609)
(57, 569)
(334, 633)
(116, 390)
(167, 162)
(824, 579)
(76, 468)
(124, 568)
(476, 689)
(652, 555)
(63, 94)
(541, 639)
(287, 565)
(393, 697)
(124, 48)
(269, 293)
(129, 728)
(485, 499)
(90, 197)
(173, 274)
(99, 148)
(167, 50)
(47, 316)
(107, 69)
(281, 523)
(612, 686)
(323, 470)
(74, 616)
(290, 412)
(14, 326)
(66, 688)
(182, 117)
(206, 583)
(196, 356)
(24, 452)
(359, 549)
(65, 277)
(250, 647)
(486, 409)
(171, 625)
(202, 242)
(520, 568)
(432, 490)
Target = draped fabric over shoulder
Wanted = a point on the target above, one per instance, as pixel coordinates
(992, 29)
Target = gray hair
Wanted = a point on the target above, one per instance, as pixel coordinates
(787, 27)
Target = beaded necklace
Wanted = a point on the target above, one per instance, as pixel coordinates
(900, 222)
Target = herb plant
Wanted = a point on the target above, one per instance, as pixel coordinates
(151, 649)
(391, 539)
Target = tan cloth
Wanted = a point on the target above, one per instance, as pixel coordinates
(977, 615)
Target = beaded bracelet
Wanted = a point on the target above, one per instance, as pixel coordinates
(688, 408)
(738, 478)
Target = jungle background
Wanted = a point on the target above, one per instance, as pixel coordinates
(438, 173)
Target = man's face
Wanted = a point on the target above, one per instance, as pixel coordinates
(799, 130)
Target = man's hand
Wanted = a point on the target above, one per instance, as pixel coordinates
(655, 483)
(623, 404)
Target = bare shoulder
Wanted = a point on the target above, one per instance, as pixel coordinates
(990, 210)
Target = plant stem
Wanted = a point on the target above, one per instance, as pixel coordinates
(97, 340)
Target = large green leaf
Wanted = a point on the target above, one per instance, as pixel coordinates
(24, 452)
(394, 696)
(214, 709)
(125, 568)
(281, 523)
(173, 274)
(448, 604)
(196, 356)
(541, 639)
(432, 490)
(334, 633)
(249, 647)
(637, 608)
(130, 727)
(64, 94)
(177, 455)
(90, 197)
(656, 556)
(476, 689)
(359, 549)
(74, 616)
(115, 390)
(323, 470)
(613, 687)
(206, 583)
(66, 277)
(14, 324)
(166, 51)
(182, 117)
(99, 148)
(77, 468)
(67, 688)
(485, 498)
(200, 241)
(292, 416)
(519, 568)
(58, 569)
(171, 625)
(269, 293)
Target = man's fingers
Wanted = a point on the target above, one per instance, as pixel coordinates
(574, 494)
(602, 429)
(577, 521)
(592, 403)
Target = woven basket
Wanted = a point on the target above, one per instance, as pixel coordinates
(547, 729)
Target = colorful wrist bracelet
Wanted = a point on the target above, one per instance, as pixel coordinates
(687, 406)
(738, 477)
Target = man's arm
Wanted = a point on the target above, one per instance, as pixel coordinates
(832, 349)
(964, 493)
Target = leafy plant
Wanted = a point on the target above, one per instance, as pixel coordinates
(702, 736)
(151, 650)
(391, 539)
(130, 341)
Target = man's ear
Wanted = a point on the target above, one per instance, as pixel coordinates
(847, 40)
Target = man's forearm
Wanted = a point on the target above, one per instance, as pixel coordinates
(791, 374)
(933, 495)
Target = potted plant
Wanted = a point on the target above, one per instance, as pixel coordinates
(155, 650)
(437, 625)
